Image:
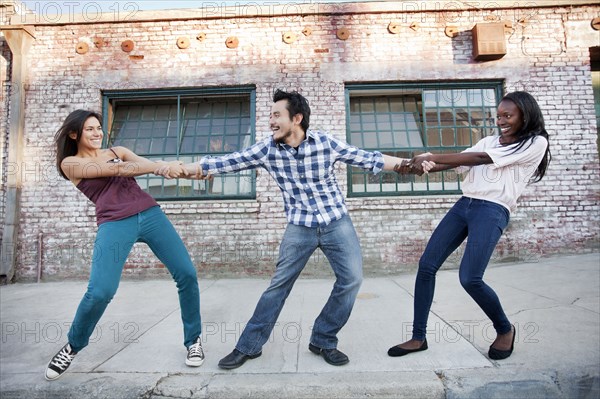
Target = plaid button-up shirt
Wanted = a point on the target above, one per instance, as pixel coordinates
(305, 175)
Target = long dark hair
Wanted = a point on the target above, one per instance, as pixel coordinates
(533, 125)
(296, 104)
(65, 145)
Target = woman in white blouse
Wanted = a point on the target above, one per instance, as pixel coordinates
(498, 169)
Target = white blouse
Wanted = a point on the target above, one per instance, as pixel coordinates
(504, 180)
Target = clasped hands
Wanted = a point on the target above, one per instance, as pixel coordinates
(176, 169)
(417, 165)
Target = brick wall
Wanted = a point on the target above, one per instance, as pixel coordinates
(4, 108)
(547, 55)
(7, 9)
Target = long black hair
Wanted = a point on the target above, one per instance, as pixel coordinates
(296, 104)
(533, 125)
(65, 145)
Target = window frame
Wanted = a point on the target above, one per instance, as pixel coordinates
(396, 89)
(110, 99)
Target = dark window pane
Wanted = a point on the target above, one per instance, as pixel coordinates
(127, 143)
(170, 146)
(232, 128)
(142, 146)
(160, 128)
(162, 112)
(145, 129)
(218, 110)
(191, 110)
(204, 110)
(187, 144)
(200, 146)
(231, 144)
(233, 109)
(135, 112)
(148, 113)
(157, 146)
(130, 129)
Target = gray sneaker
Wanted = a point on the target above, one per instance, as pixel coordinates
(60, 363)
(195, 355)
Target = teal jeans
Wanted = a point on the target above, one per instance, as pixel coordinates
(113, 244)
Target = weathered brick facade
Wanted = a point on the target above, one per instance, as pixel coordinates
(547, 55)
(5, 59)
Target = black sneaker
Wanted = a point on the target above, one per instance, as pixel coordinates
(60, 363)
(195, 355)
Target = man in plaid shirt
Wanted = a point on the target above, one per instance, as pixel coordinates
(302, 163)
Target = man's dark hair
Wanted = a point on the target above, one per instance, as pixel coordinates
(296, 104)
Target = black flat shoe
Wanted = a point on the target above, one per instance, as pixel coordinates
(331, 356)
(396, 351)
(497, 354)
(235, 359)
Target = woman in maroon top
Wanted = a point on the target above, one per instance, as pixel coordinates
(125, 214)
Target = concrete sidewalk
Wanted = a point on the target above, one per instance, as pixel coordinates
(137, 351)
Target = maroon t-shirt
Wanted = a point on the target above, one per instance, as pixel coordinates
(115, 197)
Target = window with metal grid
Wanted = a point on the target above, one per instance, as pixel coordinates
(407, 120)
(185, 125)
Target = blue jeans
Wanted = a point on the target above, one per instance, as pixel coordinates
(484, 222)
(340, 244)
(114, 241)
